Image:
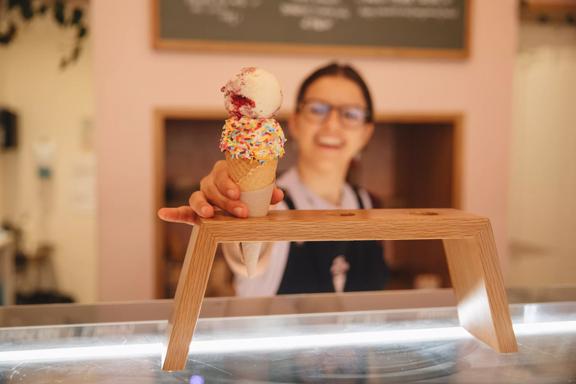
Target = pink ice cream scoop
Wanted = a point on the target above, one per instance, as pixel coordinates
(253, 93)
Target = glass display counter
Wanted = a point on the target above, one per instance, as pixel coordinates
(393, 346)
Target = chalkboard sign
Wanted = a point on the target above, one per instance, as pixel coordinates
(429, 28)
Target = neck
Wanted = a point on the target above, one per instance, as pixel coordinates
(327, 184)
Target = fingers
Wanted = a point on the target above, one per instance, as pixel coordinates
(200, 205)
(225, 185)
(214, 196)
(219, 189)
(183, 214)
(228, 188)
(188, 214)
(277, 196)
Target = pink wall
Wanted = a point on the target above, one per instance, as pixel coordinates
(131, 80)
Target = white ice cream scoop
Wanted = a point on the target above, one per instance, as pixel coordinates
(253, 92)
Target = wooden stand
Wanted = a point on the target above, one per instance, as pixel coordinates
(468, 241)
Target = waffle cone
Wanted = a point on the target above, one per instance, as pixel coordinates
(256, 182)
(251, 175)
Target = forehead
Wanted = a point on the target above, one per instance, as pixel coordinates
(336, 90)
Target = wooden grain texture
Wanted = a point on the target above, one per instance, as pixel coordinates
(479, 289)
(496, 291)
(544, 6)
(285, 48)
(457, 161)
(159, 186)
(468, 240)
(373, 224)
(188, 299)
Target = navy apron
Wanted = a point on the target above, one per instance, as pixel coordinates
(308, 265)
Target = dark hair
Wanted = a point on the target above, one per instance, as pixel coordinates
(343, 70)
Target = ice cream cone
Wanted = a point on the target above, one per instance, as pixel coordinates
(250, 174)
(256, 181)
(253, 141)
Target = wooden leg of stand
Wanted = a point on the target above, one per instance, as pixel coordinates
(479, 288)
(188, 300)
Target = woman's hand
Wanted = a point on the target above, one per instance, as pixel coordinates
(217, 190)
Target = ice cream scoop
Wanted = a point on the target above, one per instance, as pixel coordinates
(252, 139)
(254, 93)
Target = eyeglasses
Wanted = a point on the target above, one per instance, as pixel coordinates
(318, 111)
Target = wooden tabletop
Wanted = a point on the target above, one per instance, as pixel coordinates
(365, 224)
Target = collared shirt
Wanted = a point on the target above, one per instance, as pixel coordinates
(267, 284)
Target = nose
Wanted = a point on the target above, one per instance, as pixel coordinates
(332, 122)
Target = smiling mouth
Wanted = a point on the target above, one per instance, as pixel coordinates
(329, 142)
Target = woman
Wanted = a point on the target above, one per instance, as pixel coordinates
(332, 123)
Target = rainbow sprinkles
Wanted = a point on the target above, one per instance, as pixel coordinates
(255, 139)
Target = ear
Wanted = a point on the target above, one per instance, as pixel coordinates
(293, 126)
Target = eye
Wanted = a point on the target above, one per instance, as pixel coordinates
(356, 114)
(320, 109)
